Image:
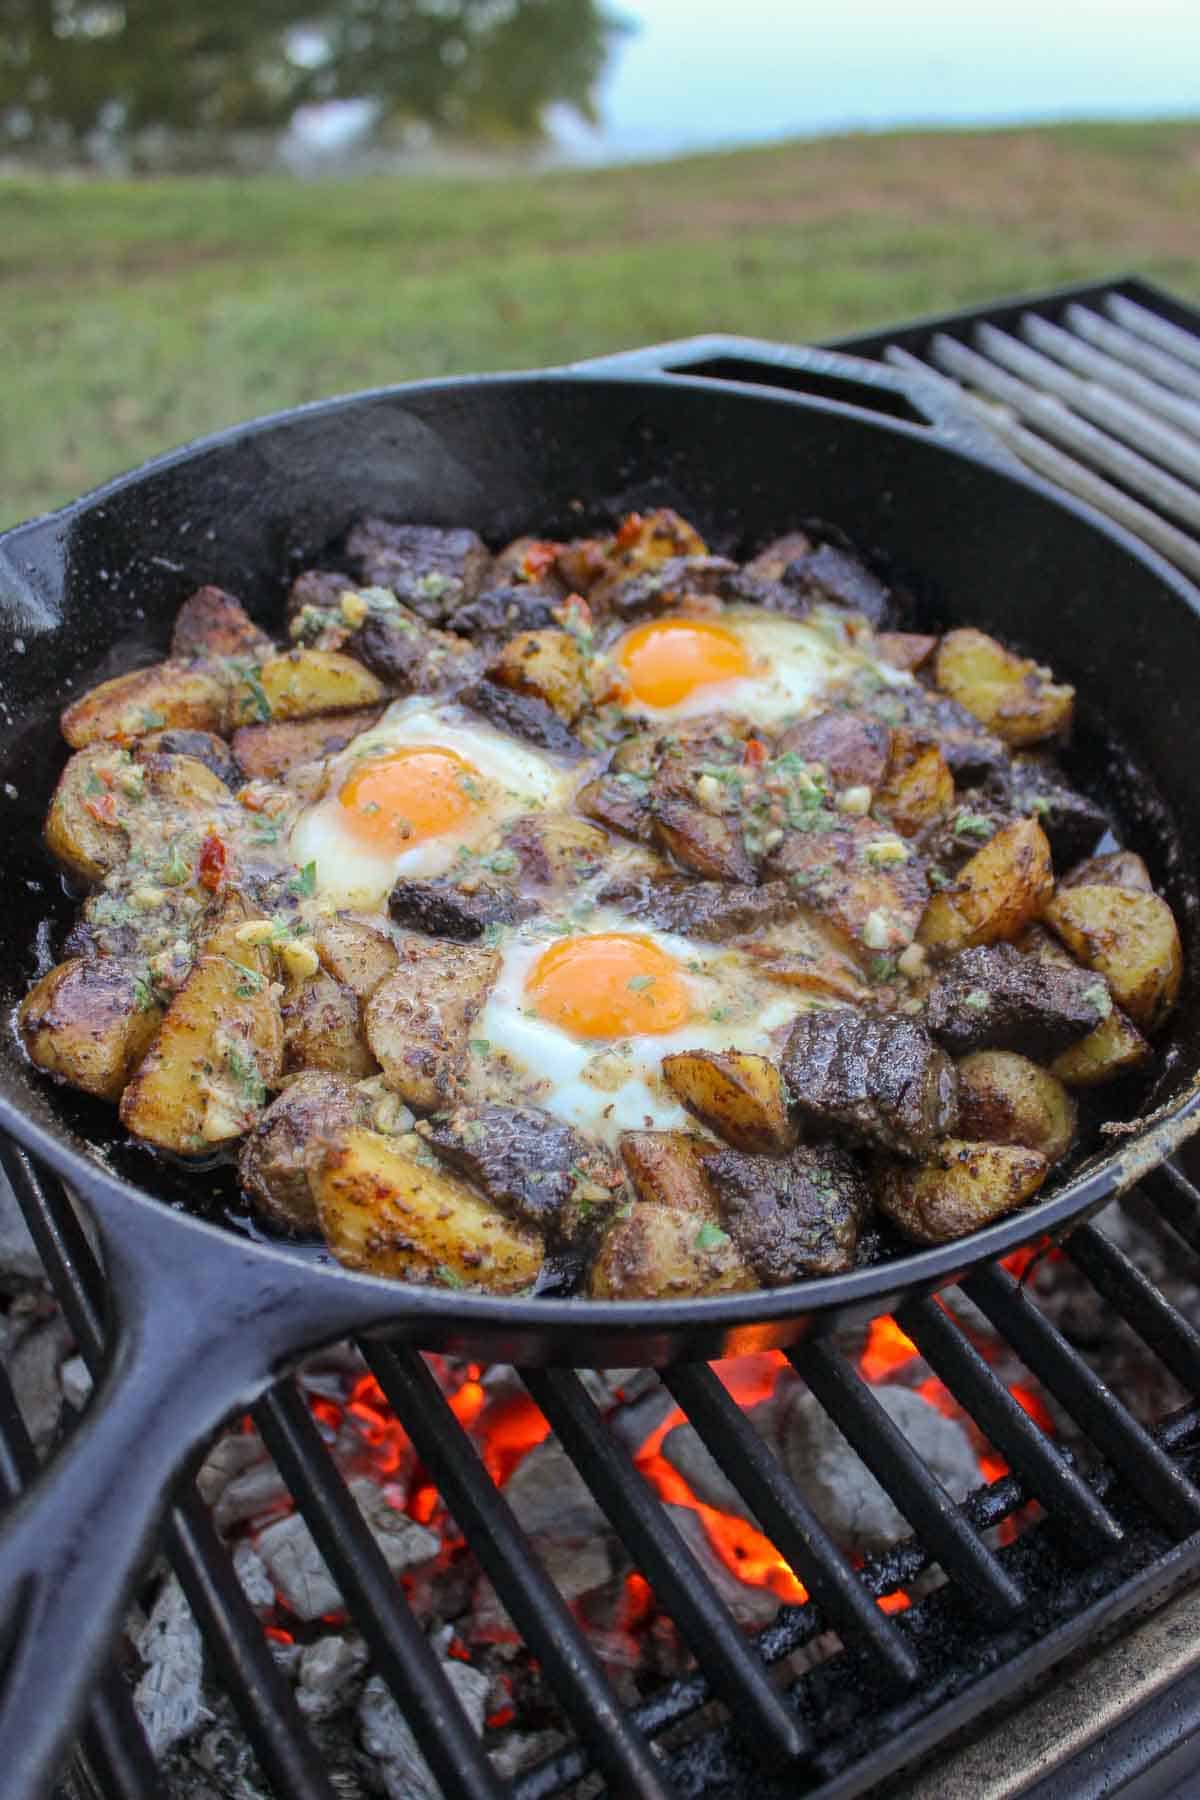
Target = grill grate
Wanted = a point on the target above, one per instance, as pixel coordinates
(1109, 1542)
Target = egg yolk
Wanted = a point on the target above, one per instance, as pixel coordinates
(393, 802)
(614, 984)
(666, 660)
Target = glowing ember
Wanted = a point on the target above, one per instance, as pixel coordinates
(887, 1349)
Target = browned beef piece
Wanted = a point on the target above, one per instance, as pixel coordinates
(212, 622)
(882, 1079)
(524, 716)
(712, 910)
(663, 586)
(320, 592)
(288, 1140)
(971, 752)
(853, 746)
(530, 1165)
(839, 866)
(443, 910)
(205, 746)
(429, 567)
(997, 999)
(840, 578)
(769, 563)
(499, 613)
(711, 846)
(621, 801)
(744, 588)
(794, 1215)
(952, 841)
(1073, 823)
(412, 657)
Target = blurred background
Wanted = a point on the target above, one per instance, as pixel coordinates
(211, 210)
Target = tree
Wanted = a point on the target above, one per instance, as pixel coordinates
(77, 76)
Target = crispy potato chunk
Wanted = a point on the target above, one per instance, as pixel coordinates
(204, 1081)
(1115, 1048)
(1006, 1099)
(700, 841)
(996, 893)
(84, 828)
(1011, 695)
(265, 752)
(738, 1095)
(859, 876)
(419, 1019)
(667, 1169)
(289, 1141)
(919, 787)
(386, 1214)
(299, 684)
(960, 1189)
(909, 650)
(90, 1022)
(647, 538)
(212, 623)
(128, 706)
(655, 1252)
(358, 950)
(548, 665)
(1120, 869)
(181, 783)
(322, 1029)
(1130, 938)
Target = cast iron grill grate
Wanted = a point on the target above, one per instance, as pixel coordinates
(1110, 1541)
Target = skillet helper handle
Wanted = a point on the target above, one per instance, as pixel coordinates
(924, 395)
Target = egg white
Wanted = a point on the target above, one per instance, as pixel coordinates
(604, 1088)
(795, 665)
(516, 778)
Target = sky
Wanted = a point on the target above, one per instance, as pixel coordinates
(697, 74)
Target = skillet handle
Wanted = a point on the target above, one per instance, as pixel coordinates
(828, 374)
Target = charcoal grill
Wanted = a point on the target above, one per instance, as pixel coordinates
(911, 1704)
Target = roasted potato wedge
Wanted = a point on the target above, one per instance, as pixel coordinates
(547, 664)
(736, 1094)
(169, 694)
(90, 1022)
(289, 1141)
(1120, 869)
(996, 893)
(202, 746)
(300, 684)
(358, 950)
(667, 1170)
(212, 623)
(419, 1020)
(1115, 1048)
(205, 1079)
(265, 752)
(385, 1213)
(644, 539)
(661, 1253)
(858, 875)
(1130, 938)
(181, 784)
(918, 788)
(85, 827)
(960, 1189)
(322, 1029)
(1006, 1099)
(1011, 695)
(709, 846)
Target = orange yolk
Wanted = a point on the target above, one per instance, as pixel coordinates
(666, 660)
(415, 793)
(615, 984)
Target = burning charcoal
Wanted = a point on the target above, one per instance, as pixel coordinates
(328, 1670)
(385, 1736)
(230, 1456)
(524, 716)
(259, 1489)
(76, 1379)
(19, 1260)
(1073, 823)
(713, 910)
(167, 1699)
(749, 1602)
(499, 613)
(430, 569)
(998, 999)
(550, 1497)
(882, 1079)
(845, 1496)
(443, 910)
(794, 1215)
(839, 578)
(251, 1571)
(530, 1165)
(299, 1570)
(33, 1370)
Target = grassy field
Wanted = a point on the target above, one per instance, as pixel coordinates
(134, 316)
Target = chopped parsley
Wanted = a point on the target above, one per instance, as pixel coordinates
(305, 881)
(245, 1073)
(176, 870)
(447, 1276)
(501, 862)
(255, 702)
(976, 825)
(152, 719)
(143, 993)
(639, 983)
(979, 1000)
(481, 1046)
(711, 1237)
(94, 786)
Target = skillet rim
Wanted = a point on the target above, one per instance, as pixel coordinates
(924, 1269)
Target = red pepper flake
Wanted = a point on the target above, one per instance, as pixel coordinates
(211, 867)
(755, 753)
(104, 811)
(538, 558)
(630, 530)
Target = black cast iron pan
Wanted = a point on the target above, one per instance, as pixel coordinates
(203, 1320)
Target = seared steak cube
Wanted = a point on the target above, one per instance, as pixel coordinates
(997, 999)
(664, 585)
(413, 657)
(431, 568)
(794, 1215)
(500, 613)
(971, 752)
(1073, 823)
(524, 715)
(712, 910)
(444, 910)
(842, 579)
(878, 1079)
(530, 1165)
(852, 746)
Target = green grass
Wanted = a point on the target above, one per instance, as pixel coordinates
(134, 316)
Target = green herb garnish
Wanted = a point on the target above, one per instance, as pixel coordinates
(305, 881)
(711, 1237)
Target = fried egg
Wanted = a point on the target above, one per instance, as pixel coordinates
(759, 665)
(579, 1023)
(408, 797)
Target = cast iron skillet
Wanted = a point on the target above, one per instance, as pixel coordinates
(203, 1320)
